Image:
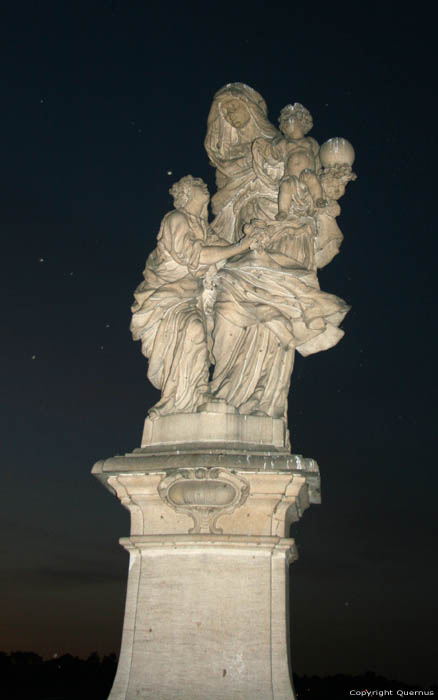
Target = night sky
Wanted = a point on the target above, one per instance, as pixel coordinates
(101, 100)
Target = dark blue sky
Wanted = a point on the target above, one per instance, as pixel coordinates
(99, 101)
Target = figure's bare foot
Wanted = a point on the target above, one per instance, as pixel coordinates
(281, 216)
(153, 414)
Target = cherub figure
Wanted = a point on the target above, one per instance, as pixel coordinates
(335, 178)
(300, 155)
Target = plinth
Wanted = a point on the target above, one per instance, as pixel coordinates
(212, 497)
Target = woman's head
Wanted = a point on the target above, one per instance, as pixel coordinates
(235, 112)
(249, 97)
(237, 117)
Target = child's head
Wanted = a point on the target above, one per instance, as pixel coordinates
(335, 179)
(295, 113)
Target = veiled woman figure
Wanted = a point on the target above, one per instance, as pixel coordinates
(237, 117)
(269, 303)
(169, 315)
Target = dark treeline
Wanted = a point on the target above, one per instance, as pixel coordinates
(26, 676)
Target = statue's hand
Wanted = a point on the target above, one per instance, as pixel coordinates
(257, 234)
(254, 227)
(321, 203)
(333, 208)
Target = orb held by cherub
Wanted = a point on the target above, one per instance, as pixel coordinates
(214, 488)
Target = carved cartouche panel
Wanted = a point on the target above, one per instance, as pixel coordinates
(204, 494)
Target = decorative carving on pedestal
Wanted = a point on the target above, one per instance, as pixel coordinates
(204, 494)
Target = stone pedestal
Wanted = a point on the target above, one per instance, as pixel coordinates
(206, 609)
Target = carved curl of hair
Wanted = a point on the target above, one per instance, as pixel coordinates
(340, 171)
(181, 191)
(298, 111)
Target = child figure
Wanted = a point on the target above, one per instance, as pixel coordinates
(300, 154)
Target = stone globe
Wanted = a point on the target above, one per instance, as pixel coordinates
(336, 151)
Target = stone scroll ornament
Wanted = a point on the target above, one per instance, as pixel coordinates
(224, 305)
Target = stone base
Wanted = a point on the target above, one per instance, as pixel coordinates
(205, 619)
(213, 427)
(206, 611)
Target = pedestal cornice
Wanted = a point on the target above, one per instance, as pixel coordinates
(211, 491)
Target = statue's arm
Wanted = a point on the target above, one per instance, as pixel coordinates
(188, 250)
(180, 242)
(275, 149)
(234, 165)
(315, 149)
(268, 160)
(269, 150)
(314, 144)
(215, 253)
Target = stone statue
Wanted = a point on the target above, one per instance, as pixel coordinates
(214, 487)
(237, 117)
(244, 308)
(300, 155)
(169, 314)
(268, 304)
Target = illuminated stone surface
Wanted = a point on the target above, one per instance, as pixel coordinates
(206, 613)
(214, 488)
